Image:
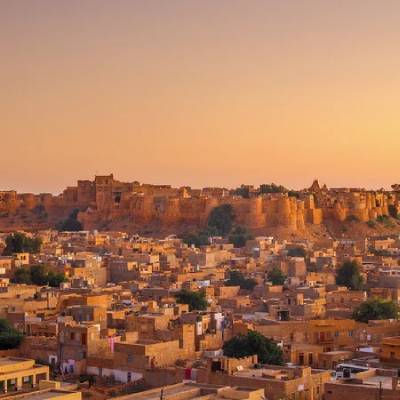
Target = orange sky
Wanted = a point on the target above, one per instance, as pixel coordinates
(199, 92)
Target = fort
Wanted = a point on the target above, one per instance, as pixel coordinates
(106, 203)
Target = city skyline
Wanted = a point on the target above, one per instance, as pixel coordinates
(304, 188)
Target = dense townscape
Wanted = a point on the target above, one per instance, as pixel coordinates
(199, 200)
(220, 309)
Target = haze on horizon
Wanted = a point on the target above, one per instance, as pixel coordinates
(200, 93)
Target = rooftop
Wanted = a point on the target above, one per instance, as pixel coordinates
(190, 391)
(392, 341)
(45, 395)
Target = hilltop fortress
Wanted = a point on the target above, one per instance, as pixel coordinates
(106, 203)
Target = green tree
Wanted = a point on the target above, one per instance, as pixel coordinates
(221, 219)
(376, 308)
(267, 350)
(349, 275)
(200, 239)
(243, 191)
(22, 275)
(193, 239)
(272, 188)
(236, 278)
(14, 243)
(55, 278)
(71, 224)
(219, 223)
(20, 243)
(39, 275)
(195, 300)
(276, 276)
(10, 338)
(239, 236)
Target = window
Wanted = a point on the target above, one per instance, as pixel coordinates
(351, 333)
(336, 333)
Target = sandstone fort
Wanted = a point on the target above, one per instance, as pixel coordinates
(106, 203)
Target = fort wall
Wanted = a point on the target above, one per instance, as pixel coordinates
(105, 200)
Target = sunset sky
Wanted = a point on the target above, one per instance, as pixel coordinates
(200, 93)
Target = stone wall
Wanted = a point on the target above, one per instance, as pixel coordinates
(134, 206)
